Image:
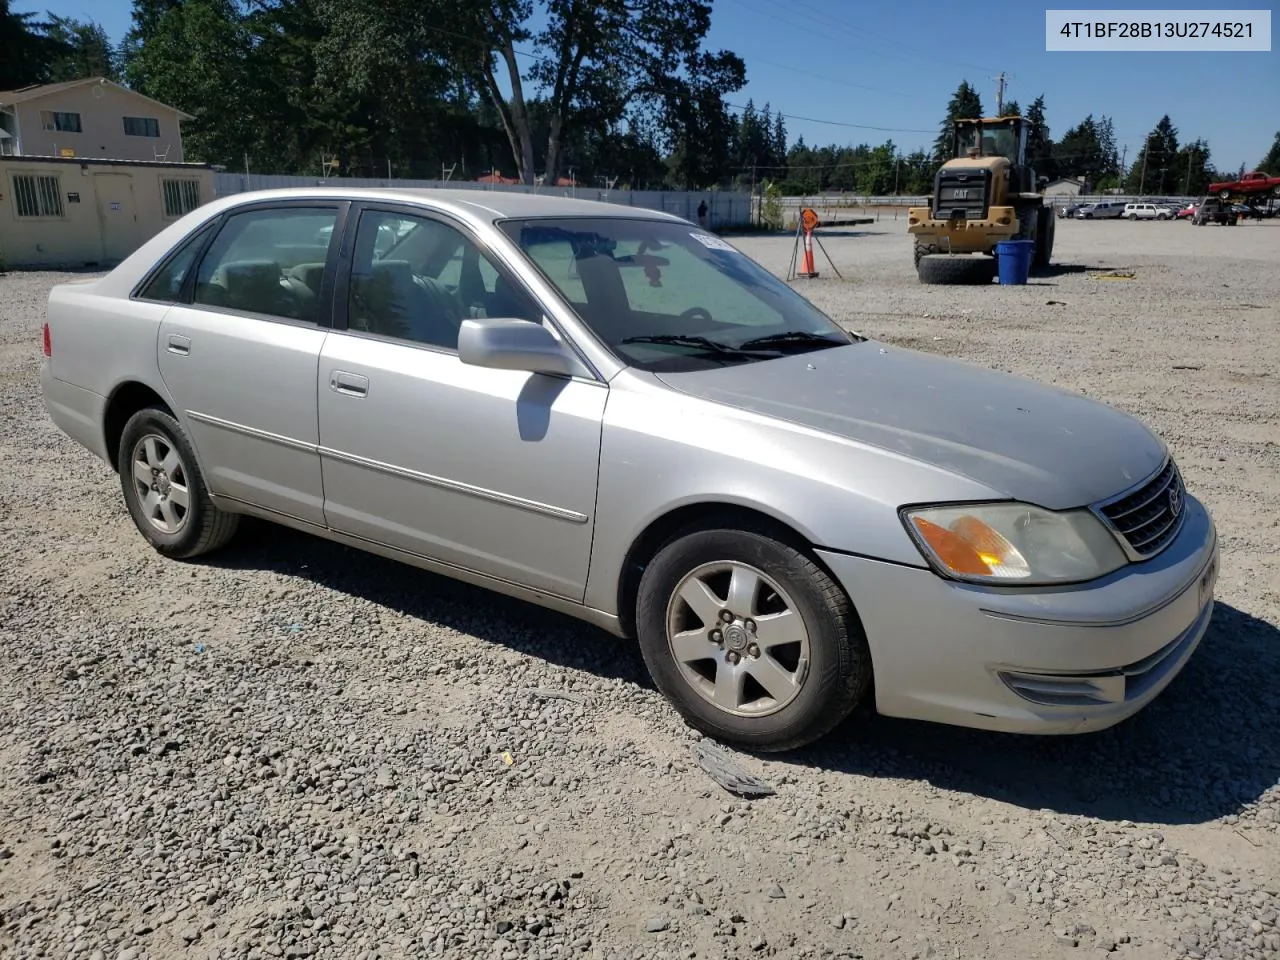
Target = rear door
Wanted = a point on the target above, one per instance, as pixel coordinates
(239, 354)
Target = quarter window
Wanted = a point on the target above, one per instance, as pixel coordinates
(166, 285)
(417, 279)
(141, 127)
(269, 262)
(36, 196)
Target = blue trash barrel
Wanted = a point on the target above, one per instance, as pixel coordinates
(1013, 258)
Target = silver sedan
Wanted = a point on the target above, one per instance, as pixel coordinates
(616, 414)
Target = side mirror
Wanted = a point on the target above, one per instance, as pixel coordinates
(512, 345)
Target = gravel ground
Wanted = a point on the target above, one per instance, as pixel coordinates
(296, 750)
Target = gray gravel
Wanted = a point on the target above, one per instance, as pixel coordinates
(296, 750)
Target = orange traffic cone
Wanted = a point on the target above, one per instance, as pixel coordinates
(806, 268)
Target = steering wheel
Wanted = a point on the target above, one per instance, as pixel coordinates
(698, 313)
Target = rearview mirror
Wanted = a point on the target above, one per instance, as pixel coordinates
(512, 345)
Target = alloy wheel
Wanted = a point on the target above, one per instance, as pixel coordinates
(738, 639)
(160, 482)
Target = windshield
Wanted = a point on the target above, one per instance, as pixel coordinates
(668, 296)
(994, 142)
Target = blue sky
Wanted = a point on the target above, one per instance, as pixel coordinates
(894, 65)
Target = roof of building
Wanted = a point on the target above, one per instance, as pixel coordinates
(38, 90)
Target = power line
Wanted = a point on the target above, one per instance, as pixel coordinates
(838, 123)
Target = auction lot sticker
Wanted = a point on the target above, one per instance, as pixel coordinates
(1135, 31)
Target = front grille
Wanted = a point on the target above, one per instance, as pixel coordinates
(961, 194)
(1147, 519)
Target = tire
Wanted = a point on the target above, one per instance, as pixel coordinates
(831, 682)
(920, 250)
(1044, 244)
(1133, 216)
(945, 268)
(154, 439)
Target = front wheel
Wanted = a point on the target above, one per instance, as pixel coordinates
(164, 490)
(752, 642)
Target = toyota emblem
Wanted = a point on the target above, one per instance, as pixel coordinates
(1175, 499)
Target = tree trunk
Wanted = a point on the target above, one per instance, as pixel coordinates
(553, 149)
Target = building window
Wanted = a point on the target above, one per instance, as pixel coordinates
(180, 196)
(141, 127)
(37, 196)
(60, 121)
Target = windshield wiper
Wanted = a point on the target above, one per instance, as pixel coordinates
(683, 340)
(789, 338)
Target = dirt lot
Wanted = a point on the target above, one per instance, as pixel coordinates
(293, 750)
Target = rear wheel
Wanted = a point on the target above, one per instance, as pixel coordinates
(1044, 242)
(947, 268)
(164, 490)
(752, 642)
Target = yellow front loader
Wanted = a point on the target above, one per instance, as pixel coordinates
(984, 194)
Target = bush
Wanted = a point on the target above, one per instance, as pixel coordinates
(771, 207)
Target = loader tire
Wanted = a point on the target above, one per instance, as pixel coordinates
(945, 268)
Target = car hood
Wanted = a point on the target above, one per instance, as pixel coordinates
(1028, 441)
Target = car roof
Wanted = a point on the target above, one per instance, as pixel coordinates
(492, 205)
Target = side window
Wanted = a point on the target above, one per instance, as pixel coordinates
(269, 262)
(417, 279)
(166, 284)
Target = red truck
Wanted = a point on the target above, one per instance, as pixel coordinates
(1256, 182)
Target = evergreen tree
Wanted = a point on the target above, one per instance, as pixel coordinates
(965, 104)
(1039, 146)
(1155, 169)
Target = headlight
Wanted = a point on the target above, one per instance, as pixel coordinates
(1013, 543)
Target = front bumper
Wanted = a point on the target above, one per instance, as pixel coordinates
(963, 236)
(1044, 660)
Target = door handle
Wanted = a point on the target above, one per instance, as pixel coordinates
(348, 384)
(179, 345)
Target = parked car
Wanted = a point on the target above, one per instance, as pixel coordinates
(1187, 212)
(1146, 211)
(1215, 210)
(1069, 210)
(616, 414)
(1104, 210)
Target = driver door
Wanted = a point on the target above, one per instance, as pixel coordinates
(489, 470)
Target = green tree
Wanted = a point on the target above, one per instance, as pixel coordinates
(1271, 162)
(87, 50)
(1194, 171)
(778, 145)
(1155, 169)
(1012, 109)
(195, 56)
(27, 51)
(965, 104)
(1081, 153)
(1039, 144)
(918, 170)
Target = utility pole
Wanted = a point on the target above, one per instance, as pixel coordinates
(1000, 84)
(1123, 156)
(1186, 187)
(1142, 181)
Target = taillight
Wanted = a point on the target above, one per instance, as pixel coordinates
(48, 342)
